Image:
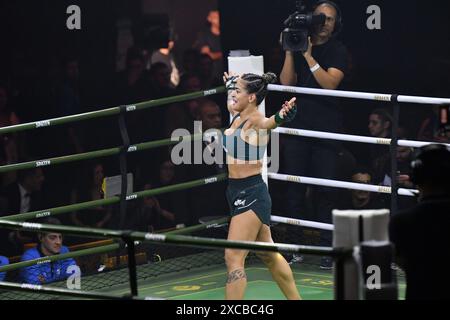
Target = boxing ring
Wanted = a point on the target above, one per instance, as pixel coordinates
(128, 240)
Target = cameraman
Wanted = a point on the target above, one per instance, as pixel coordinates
(321, 66)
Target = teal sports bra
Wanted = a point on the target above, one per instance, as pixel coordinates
(238, 148)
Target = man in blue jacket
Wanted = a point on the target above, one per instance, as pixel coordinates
(3, 261)
(49, 244)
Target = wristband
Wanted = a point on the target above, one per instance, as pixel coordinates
(315, 68)
(230, 84)
(278, 120)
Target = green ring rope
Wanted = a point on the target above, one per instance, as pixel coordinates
(173, 239)
(110, 111)
(115, 199)
(102, 249)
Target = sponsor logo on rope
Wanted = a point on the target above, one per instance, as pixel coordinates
(293, 179)
(285, 247)
(209, 92)
(43, 163)
(155, 237)
(31, 286)
(384, 189)
(211, 180)
(292, 132)
(44, 261)
(383, 141)
(43, 214)
(131, 197)
(382, 98)
(31, 225)
(292, 221)
(132, 148)
(44, 123)
(130, 108)
(292, 90)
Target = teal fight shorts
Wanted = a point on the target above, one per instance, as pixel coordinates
(249, 193)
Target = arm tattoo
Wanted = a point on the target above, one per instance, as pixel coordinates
(236, 275)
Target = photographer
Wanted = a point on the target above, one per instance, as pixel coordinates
(321, 65)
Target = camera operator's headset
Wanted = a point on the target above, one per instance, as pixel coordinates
(431, 163)
(338, 24)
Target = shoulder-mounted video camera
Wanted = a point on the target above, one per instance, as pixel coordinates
(298, 26)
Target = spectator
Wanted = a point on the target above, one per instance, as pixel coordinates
(164, 55)
(190, 61)
(207, 200)
(404, 158)
(49, 244)
(209, 114)
(7, 116)
(3, 262)
(148, 216)
(182, 114)
(20, 197)
(433, 128)
(9, 143)
(208, 42)
(358, 199)
(420, 235)
(131, 83)
(159, 77)
(90, 189)
(206, 73)
(175, 202)
(69, 102)
(23, 195)
(159, 87)
(380, 123)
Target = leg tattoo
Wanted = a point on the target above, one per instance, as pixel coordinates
(236, 275)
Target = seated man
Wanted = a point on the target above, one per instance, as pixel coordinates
(358, 199)
(49, 244)
(3, 261)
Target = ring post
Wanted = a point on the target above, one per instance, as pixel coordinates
(126, 237)
(348, 236)
(379, 279)
(123, 165)
(393, 149)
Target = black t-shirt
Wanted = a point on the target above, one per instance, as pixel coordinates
(207, 38)
(319, 112)
(421, 237)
